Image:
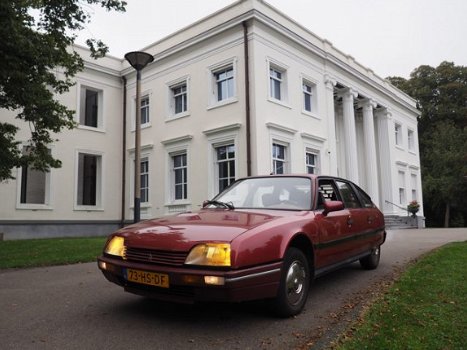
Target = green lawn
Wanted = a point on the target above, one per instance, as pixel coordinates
(45, 252)
(425, 309)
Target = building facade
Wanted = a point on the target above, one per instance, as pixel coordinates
(245, 91)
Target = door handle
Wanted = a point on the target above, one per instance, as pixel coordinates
(349, 221)
(370, 219)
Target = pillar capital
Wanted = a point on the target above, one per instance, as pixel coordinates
(329, 81)
(367, 103)
(347, 93)
(384, 113)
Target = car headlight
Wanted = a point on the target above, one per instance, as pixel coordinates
(115, 247)
(210, 254)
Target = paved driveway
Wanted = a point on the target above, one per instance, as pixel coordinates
(74, 307)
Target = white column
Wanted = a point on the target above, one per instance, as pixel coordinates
(386, 145)
(331, 116)
(371, 166)
(351, 156)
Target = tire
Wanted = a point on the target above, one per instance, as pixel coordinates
(370, 262)
(294, 284)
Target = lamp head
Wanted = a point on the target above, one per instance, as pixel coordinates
(139, 59)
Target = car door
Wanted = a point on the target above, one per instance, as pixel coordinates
(358, 219)
(333, 245)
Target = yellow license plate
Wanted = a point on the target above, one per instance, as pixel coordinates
(149, 278)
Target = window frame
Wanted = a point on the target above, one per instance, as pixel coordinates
(81, 106)
(316, 166)
(213, 92)
(184, 182)
(171, 98)
(47, 205)
(411, 140)
(414, 186)
(402, 187)
(306, 81)
(229, 162)
(398, 134)
(147, 108)
(99, 186)
(273, 65)
(285, 161)
(146, 190)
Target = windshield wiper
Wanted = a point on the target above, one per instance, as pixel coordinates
(220, 204)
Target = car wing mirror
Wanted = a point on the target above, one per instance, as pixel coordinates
(330, 206)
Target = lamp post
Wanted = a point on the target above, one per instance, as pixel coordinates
(138, 61)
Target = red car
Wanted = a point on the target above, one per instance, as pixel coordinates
(264, 237)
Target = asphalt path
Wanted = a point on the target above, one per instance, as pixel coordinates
(74, 307)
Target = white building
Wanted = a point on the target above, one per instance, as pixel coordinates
(216, 107)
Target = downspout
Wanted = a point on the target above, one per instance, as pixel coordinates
(247, 98)
(122, 222)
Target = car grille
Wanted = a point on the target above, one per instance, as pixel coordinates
(157, 257)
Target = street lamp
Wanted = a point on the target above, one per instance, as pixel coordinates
(138, 61)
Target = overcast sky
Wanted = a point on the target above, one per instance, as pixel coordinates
(392, 37)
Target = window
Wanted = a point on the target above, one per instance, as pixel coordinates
(90, 107)
(89, 179)
(348, 195)
(327, 192)
(34, 184)
(398, 134)
(179, 171)
(180, 98)
(413, 180)
(145, 110)
(401, 176)
(312, 162)
(279, 158)
(225, 164)
(144, 180)
(224, 79)
(307, 95)
(275, 83)
(410, 139)
(364, 198)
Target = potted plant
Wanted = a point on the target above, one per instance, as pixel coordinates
(413, 208)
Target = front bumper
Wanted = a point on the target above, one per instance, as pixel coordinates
(188, 284)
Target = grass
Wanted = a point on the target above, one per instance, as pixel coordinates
(425, 309)
(46, 252)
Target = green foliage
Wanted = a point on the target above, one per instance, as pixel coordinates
(46, 252)
(441, 95)
(425, 309)
(33, 49)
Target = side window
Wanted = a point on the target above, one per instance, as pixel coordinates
(364, 198)
(348, 195)
(326, 192)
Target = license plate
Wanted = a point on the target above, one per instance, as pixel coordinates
(149, 278)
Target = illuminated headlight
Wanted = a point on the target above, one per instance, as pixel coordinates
(214, 280)
(210, 254)
(115, 247)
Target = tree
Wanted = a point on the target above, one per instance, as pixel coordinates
(441, 95)
(36, 38)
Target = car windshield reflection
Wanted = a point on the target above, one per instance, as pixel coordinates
(284, 193)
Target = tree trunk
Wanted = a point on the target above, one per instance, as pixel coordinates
(446, 215)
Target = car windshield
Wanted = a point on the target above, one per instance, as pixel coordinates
(287, 193)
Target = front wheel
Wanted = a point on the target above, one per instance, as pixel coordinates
(370, 262)
(294, 284)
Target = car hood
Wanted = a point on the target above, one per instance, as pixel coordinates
(181, 232)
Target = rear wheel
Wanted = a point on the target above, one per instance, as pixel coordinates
(370, 262)
(294, 284)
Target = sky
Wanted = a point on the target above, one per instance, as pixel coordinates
(392, 37)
